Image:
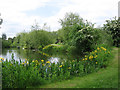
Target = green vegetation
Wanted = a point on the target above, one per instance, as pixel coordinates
(32, 73)
(76, 36)
(103, 78)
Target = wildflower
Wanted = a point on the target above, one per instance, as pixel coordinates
(95, 56)
(103, 48)
(98, 48)
(48, 62)
(43, 64)
(33, 61)
(60, 66)
(42, 60)
(27, 63)
(36, 61)
(69, 68)
(96, 62)
(26, 59)
(95, 51)
(0, 61)
(23, 63)
(85, 58)
(90, 57)
(49, 66)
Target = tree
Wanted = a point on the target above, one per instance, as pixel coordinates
(113, 27)
(4, 37)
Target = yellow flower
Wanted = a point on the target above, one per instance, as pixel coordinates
(2, 58)
(85, 58)
(27, 63)
(98, 48)
(95, 56)
(36, 61)
(33, 61)
(95, 51)
(60, 66)
(48, 62)
(22, 63)
(42, 60)
(103, 48)
(90, 57)
(49, 66)
(69, 68)
(96, 62)
(0, 61)
(26, 59)
(43, 64)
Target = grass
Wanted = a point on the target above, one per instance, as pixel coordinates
(104, 78)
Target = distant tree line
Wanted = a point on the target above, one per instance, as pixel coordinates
(79, 34)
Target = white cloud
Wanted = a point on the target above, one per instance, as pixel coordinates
(15, 16)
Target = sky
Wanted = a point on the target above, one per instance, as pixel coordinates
(20, 15)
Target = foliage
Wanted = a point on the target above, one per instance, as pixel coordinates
(54, 48)
(113, 27)
(36, 39)
(4, 36)
(26, 73)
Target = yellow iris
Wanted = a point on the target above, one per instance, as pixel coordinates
(60, 66)
(85, 58)
(95, 56)
(95, 51)
(42, 60)
(90, 57)
(48, 62)
(98, 48)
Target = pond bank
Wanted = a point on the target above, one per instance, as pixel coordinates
(104, 78)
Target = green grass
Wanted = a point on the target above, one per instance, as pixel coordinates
(104, 78)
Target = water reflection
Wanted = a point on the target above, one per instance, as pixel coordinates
(54, 60)
(53, 57)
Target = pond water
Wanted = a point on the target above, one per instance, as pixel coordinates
(37, 55)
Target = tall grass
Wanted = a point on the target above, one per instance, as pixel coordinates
(24, 74)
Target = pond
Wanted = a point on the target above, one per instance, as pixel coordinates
(37, 55)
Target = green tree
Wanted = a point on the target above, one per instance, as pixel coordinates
(4, 36)
(113, 27)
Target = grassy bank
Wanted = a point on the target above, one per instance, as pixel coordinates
(104, 78)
